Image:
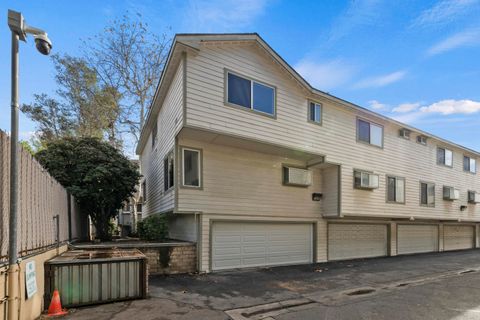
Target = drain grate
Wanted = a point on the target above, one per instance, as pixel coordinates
(360, 292)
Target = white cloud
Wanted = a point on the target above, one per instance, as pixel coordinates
(380, 81)
(461, 39)
(375, 105)
(444, 12)
(448, 107)
(325, 75)
(222, 15)
(406, 107)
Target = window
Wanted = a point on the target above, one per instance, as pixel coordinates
(250, 94)
(365, 180)
(191, 167)
(469, 164)
(139, 207)
(315, 112)
(144, 190)
(154, 135)
(422, 140)
(450, 193)
(395, 189)
(370, 133)
(473, 197)
(404, 133)
(168, 171)
(445, 157)
(427, 194)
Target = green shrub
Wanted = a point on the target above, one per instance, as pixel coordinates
(153, 228)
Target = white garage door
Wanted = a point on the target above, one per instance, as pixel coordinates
(416, 238)
(458, 237)
(350, 241)
(245, 244)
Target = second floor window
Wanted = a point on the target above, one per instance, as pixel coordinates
(154, 135)
(395, 189)
(315, 112)
(469, 164)
(191, 167)
(250, 94)
(144, 190)
(445, 157)
(370, 133)
(168, 171)
(427, 194)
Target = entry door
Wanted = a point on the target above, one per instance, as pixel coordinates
(351, 241)
(254, 244)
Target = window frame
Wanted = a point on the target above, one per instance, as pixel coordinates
(154, 134)
(200, 167)
(361, 171)
(252, 80)
(309, 112)
(469, 164)
(434, 194)
(389, 176)
(420, 142)
(166, 175)
(144, 190)
(370, 132)
(444, 157)
(468, 196)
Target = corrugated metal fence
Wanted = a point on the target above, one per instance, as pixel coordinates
(41, 198)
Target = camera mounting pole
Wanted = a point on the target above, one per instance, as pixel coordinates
(19, 30)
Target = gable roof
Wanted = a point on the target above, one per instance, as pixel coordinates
(191, 42)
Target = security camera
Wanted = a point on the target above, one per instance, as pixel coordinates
(43, 44)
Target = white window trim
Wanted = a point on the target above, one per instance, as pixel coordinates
(271, 115)
(199, 167)
(310, 112)
(445, 157)
(470, 159)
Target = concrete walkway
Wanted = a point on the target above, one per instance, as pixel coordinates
(429, 286)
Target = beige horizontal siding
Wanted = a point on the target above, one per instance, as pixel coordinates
(169, 123)
(336, 138)
(237, 181)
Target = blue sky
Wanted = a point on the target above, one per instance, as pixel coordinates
(415, 61)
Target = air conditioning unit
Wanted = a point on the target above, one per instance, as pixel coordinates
(404, 133)
(297, 176)
(450, 193)
(365, 180)
(473, 197)
(422, 140)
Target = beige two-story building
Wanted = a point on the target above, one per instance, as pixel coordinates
(259, 168)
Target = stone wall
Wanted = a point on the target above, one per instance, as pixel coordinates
(171, 259)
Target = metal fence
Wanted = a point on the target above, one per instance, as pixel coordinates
(40, 199)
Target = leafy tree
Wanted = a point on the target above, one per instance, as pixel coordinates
(97, 174)
(82, 108)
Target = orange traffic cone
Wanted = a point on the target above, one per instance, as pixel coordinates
(55, 308)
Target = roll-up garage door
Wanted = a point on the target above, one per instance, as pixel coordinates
(254, 244)
(458, 237)
(416, 238)
(351, 241)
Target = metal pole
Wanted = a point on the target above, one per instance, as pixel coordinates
(12, 233)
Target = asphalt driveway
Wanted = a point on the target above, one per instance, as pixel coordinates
(429, 286)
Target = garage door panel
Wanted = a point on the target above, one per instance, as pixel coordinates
(417, 238)
(351, 241)
(245, 244)
(458, 237)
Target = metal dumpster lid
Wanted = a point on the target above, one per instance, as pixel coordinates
(103, 255)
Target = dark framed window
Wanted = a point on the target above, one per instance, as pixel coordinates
(144, 190)
(315, 112)
(154, 134)
(250, 94)
(395, 189)
(191, 167)
(370, 133)
(168, 171)
(444, 157)
(427, 194)
(469, 164)
(139, 207)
